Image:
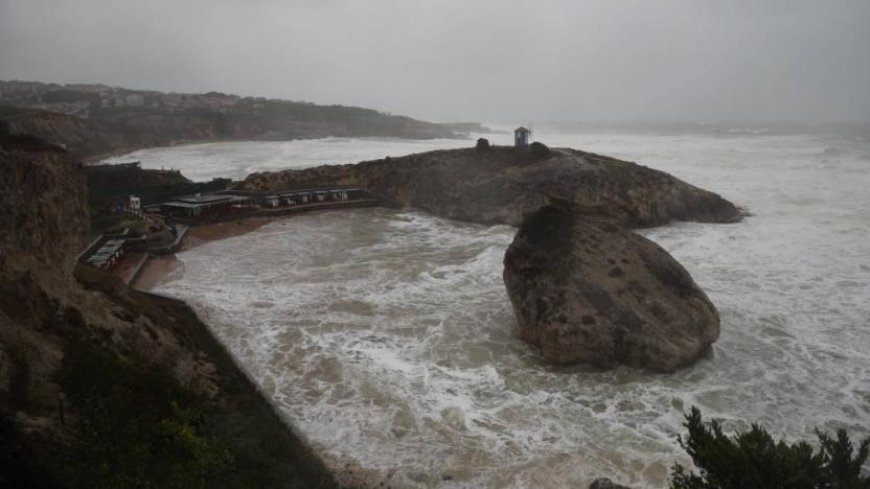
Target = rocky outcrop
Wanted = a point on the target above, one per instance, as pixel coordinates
(585, 289)
(73, 349)
(604, 483)
(589, 291)
(502, 185)
(81, 137)
(42, 207)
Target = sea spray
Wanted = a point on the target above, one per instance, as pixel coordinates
(388, 339)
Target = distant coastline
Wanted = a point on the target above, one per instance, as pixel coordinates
(97, 121)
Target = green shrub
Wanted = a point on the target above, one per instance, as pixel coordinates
(753, 459)
(540, 151)
(139, 427)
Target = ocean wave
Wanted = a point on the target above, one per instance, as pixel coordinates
(389, 340)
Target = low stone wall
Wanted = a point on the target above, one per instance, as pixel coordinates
(175, 245)
(318, 206)
(137, 270)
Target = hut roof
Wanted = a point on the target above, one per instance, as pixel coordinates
(203, 199)
(206, 201)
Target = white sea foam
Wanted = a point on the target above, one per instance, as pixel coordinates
(237, 160)
(387, 337)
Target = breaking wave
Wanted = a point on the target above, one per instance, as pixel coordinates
(388, 339)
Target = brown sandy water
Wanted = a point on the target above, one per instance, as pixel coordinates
(388, 339)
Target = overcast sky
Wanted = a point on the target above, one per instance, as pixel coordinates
(477, 60)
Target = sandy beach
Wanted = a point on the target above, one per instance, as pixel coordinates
(155, 271)
(200, 235)
(159, 268)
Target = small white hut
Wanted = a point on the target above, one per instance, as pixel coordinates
(521, 137)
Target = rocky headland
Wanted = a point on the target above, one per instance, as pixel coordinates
(502, 185)
(585, 289)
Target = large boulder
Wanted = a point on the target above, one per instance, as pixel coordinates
(589, 291)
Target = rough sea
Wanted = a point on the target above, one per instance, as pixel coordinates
(387, 337)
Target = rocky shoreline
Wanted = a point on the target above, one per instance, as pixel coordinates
(93, 373)
(501, 186)
(585, 289)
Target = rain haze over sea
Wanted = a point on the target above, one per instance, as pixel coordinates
(387, 336)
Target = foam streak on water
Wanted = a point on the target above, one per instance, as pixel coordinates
(387, 337)
(237, 160)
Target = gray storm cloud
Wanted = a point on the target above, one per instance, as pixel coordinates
(486, 60)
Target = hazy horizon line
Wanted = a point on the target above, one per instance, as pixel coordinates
(543, 122)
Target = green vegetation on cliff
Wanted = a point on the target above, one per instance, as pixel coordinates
(754, 459)
(232, 439)
(129, 437)
(127, 422)
(103, 386)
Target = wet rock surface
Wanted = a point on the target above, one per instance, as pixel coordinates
(503, 184)
(60, 322)
(605, 483)
(585, 289)
(42, 206)
(589, 291)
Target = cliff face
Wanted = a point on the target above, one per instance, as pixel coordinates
(42, 208)
(81, 137)
(101, 385)
(502, 185)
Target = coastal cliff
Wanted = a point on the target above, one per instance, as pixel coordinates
(42, 208)
(105, 386)
(96, 120)
(585, 289)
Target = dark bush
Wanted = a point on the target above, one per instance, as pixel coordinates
(482, 144)
(18, 462)
(548, 227)
(139, 428)
(753, 459)
(540, 151)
